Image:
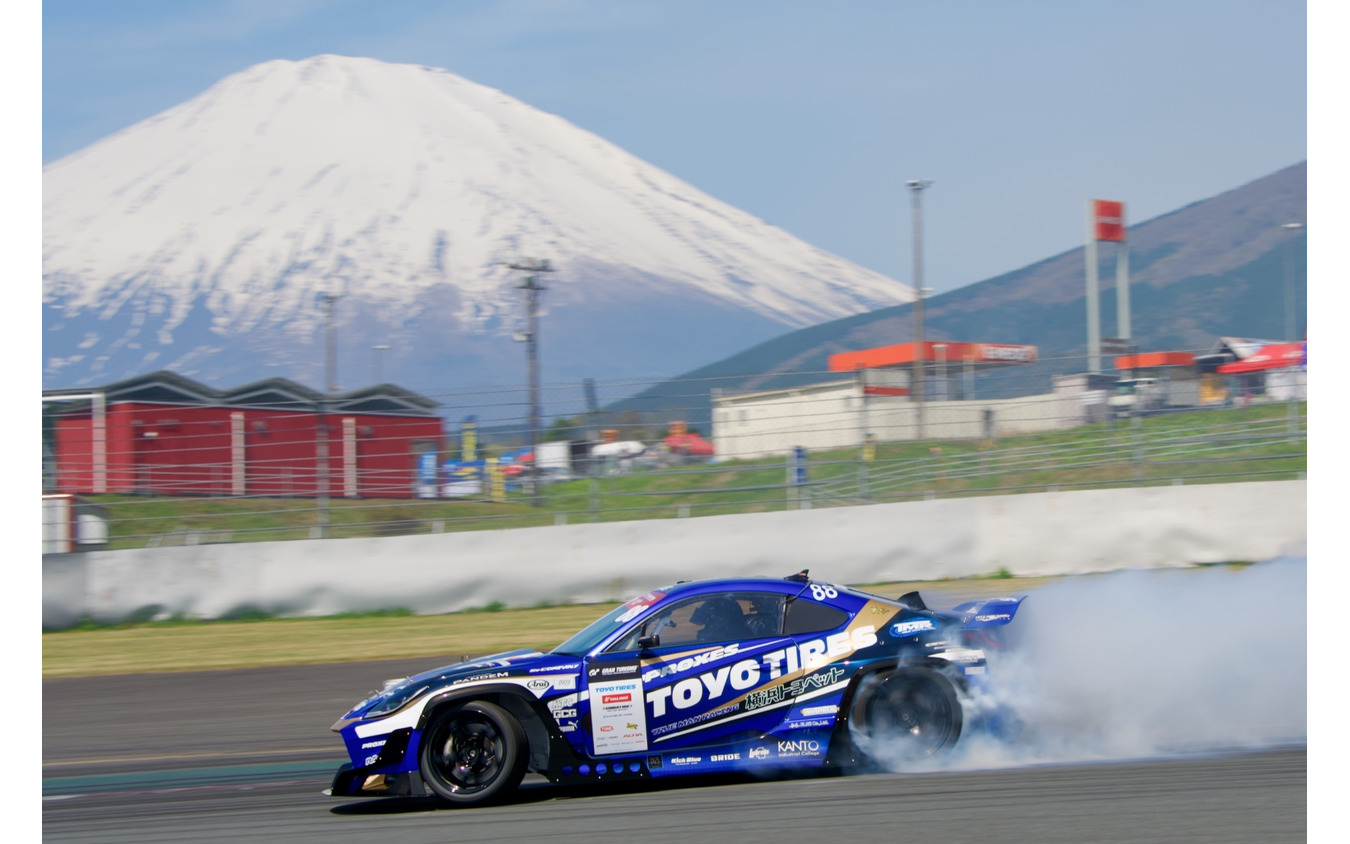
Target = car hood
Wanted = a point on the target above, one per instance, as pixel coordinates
(505, 664)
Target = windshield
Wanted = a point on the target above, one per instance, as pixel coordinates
(595, 632)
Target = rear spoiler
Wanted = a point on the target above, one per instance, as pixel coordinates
(990, 613)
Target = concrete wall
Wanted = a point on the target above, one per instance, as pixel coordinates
(1034, 534)
(838, 415)
(773, 423)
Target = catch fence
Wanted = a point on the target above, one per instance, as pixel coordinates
(782, 441)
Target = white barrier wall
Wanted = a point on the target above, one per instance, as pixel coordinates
(1034, 534)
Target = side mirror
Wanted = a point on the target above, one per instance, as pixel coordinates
(646, 643)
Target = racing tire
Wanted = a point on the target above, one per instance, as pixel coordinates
(905, 716)
(473, 754)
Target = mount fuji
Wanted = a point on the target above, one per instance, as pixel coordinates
(205, 239)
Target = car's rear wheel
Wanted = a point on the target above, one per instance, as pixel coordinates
(473, 753)
(905, 716)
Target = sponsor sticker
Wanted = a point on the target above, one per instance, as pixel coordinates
(551, 668)
(805, 747)
(613, 670)
(493, 675)
(759, 753)
(901, 629)
(619, 716)
(683, 665)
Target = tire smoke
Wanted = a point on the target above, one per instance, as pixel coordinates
(1148, 664)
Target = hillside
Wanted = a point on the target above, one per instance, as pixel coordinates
(1213, 268)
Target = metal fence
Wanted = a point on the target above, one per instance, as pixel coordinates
(805, 439)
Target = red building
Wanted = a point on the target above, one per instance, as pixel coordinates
(165, 434)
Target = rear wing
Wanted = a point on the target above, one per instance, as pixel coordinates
(990, 613)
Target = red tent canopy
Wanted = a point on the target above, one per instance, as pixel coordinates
(1277, 356)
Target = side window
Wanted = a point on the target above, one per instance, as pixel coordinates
(720, 617)
(804, 616)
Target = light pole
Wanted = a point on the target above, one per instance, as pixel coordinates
(376, 359)
(941, 349)
(916, 189)
(330, 387)
(532, 289)
(1290, 324)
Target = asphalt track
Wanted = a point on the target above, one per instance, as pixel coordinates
(244, 755)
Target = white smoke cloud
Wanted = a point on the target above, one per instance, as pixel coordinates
(1144, 664)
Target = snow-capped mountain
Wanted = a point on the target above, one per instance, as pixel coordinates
(202, 240)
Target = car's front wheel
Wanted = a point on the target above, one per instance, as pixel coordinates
(905, 716)
(473, 753)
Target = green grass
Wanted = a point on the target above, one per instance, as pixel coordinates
(1209, 446)
(195, 645)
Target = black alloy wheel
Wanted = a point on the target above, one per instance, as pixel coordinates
(908, 715)
(473, 753)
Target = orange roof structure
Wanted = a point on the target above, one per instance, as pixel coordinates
(1146, 360)
(978, 354)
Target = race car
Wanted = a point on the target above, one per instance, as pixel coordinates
(695, 678)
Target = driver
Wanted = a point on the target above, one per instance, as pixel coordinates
(722, 620)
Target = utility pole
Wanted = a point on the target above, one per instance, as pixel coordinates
(532, 289)
(376, 363)
(1290, 323)
(330, 387)
(916, 189)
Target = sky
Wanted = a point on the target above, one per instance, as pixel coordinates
(808, 115)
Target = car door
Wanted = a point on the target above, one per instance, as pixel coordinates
(700, 676)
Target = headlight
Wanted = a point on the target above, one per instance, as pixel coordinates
(396, 698)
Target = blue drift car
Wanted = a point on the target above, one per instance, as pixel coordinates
(695, 678)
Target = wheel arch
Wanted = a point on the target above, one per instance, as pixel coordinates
(541, 731)
(843, 752)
